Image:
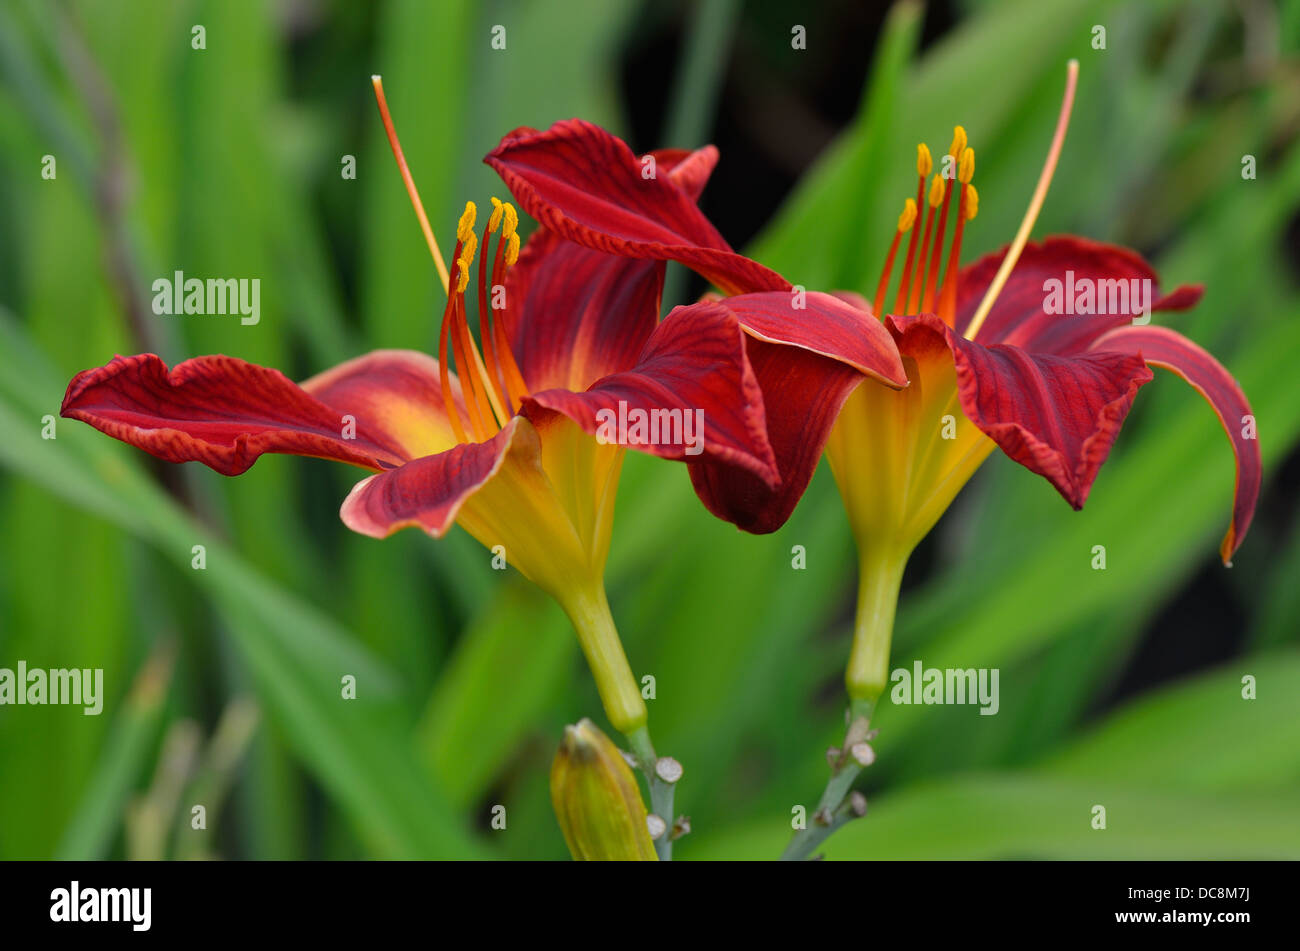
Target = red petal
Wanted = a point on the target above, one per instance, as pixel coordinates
(587, 186)
(694, 365)
(428, 492)
(1055, 415)
(575, 315)
(825, 324)
(1162, 347)
(803, 393)
(807, 360)
(220, 411)
(1018, 316)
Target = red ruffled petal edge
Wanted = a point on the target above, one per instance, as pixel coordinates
(587, 186)
(220, 411)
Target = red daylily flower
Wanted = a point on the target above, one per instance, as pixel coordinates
(808, 350)
(515, 444)
(1042, 347)
(989, 364)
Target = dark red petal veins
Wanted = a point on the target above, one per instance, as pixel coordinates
(691, 395)
(1162, 347)
(220, 411)
(1082, 267)
(428, 492)
(1055, 415)
(575, 315)
(803, 393)
(587, 186)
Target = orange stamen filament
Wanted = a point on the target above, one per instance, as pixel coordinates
(1035, 204)
(914, 291)
(516, 390)
(906, 279)
(495, 388)
(471, 382)
(444, 370)
(948, 295)
(409, 182)
(932, 269)
(485, 396)
(455, 320)
(879, 300)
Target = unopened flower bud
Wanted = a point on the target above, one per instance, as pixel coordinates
(596, 799)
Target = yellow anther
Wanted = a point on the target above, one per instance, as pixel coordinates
(908, 217)
(466, 225)
(966, 170)
(512, 249)
(958, 141)
(495, 220)
(468, 246)
(972, 202)
(512, 222)
(924, 164)
(937, 191)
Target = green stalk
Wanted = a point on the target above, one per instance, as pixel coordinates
(661, 793)
(588, 609)
(834, 809)
(880, 577)
(620, 694)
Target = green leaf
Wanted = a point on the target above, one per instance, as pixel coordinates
(1202, 735)
(1027, 817)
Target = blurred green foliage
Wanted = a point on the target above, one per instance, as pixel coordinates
(226, 161)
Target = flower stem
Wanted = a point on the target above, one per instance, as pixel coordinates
(879, 580)
(619, 693)
(880, 577)
(588, 609)
(661, 793)
(835, 808)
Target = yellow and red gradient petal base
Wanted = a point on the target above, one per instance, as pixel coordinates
(398, 392)
(500, 492)
(900, 456)
(545, 495)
